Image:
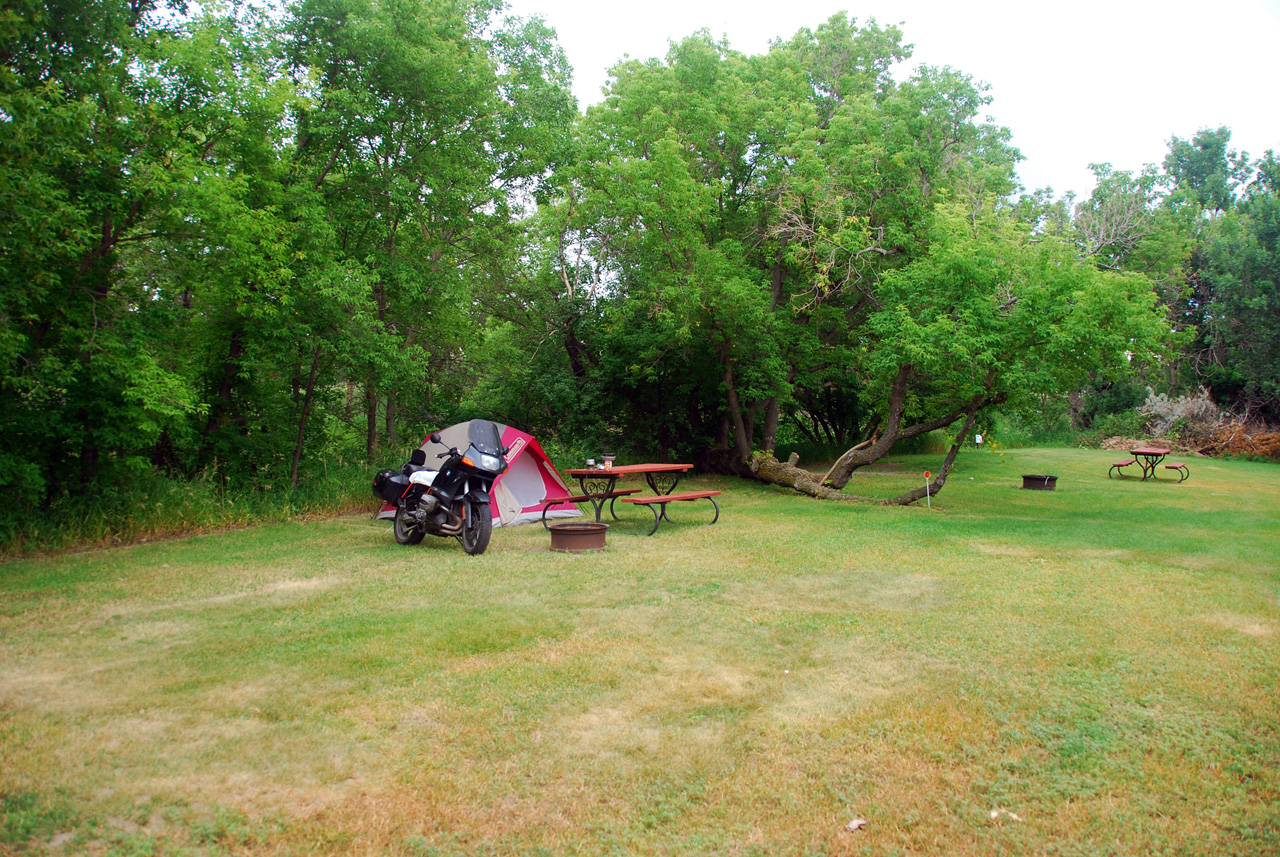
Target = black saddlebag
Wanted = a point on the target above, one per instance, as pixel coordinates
(389, 485)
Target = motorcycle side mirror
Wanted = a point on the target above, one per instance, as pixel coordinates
(505, 450)
(435, 438)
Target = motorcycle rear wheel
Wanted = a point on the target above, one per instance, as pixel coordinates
(477, 530)
(405, 532)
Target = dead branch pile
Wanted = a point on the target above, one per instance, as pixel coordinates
(1235, 438)
(1245, 440)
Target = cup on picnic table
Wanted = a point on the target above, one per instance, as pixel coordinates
(608, 460)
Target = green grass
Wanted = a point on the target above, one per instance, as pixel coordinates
(1102, 661)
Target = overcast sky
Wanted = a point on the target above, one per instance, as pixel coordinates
(1077, 82)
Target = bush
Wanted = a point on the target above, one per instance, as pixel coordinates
(933, 443)
(566, 453)
(1123, 424)
(1046, 425)
(1186, 417)
(1108, 398)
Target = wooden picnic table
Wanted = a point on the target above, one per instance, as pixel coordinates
(1149, 458)
(599, 484)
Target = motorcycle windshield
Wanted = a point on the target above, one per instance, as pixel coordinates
(485, 437)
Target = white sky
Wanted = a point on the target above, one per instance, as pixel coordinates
(1077, 82)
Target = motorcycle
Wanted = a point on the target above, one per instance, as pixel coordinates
(453, 501)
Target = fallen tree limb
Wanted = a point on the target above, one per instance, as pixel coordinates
(765, 467)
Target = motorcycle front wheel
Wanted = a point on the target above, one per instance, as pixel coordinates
(406, 533)
(477, 529)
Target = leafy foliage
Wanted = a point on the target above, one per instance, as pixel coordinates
(231, 228)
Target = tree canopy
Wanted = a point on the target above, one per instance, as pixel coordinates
(224, 221)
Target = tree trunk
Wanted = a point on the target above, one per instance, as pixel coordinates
(371, 421)
(935, 487)
(89, 451)
(766, 468)
(391, 418)
(302, 423)
(741, 441)
(722, 433)
(578, 354)
(230, 369)
(771, 416)
(773, 413)
(805, 430)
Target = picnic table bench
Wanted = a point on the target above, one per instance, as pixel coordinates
(611, 496)
(658, 504)
(1117, 469)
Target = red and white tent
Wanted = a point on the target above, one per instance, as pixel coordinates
(519, 495)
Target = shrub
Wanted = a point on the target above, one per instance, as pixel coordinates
(1190, 419)
(933, 443)
(1125, 423)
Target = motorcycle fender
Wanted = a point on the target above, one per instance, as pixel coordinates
(478, 495)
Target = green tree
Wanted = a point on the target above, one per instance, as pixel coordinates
(1228, 300)
(1125, 225)
(92, 149)
(219, 222)
(989, 314)
(1203, 171)
(1241, 265)
(747, 211)
(421, 131)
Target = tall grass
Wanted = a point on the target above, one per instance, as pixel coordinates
(154, 506)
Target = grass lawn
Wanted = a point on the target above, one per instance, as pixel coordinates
(1092, 670)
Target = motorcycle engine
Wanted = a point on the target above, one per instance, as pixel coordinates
(420, 510)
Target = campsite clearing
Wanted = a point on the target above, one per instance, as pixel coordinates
(1085, 671)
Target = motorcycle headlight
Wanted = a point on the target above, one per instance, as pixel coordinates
(490, 462)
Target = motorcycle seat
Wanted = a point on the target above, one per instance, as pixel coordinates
(417, 462)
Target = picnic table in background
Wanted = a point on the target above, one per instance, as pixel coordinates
(1149, 458)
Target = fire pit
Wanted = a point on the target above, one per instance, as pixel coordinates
(577, 536)
(1039, 483)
